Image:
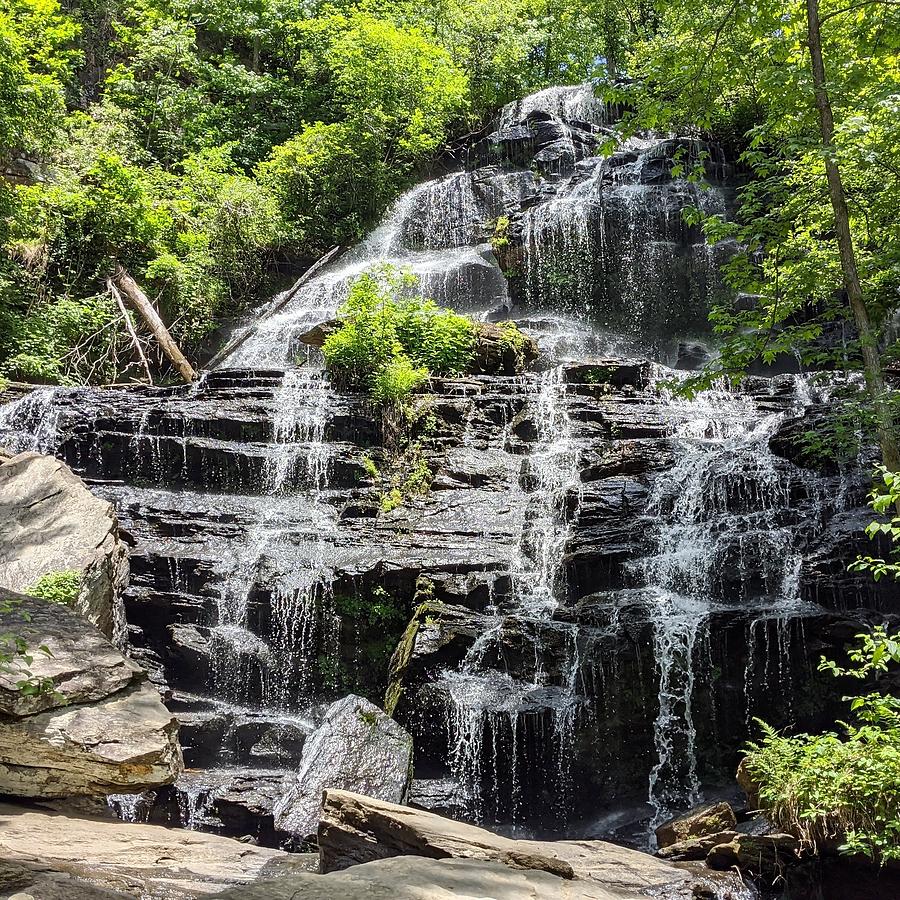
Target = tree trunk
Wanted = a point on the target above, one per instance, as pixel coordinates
(871, 361)
(129, 289)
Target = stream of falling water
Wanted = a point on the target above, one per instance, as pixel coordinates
(717, 507)
(298, 460)
(485, 705)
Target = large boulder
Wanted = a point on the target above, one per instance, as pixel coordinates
(92, 855)
(357, 747)
(51, 522)
(356, 829)
(91, 724)
(701, 821)
(760, 855)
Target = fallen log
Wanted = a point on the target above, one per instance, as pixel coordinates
(136, 298)
(130, 328)
(279, 304)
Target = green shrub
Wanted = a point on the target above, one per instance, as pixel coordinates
(831, 787)
(397, 380)
(57, 587)
(391, 340)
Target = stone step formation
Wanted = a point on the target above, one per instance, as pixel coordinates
(605, 582)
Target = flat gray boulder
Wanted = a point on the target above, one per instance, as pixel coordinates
(79, 663)
(51, 522)
(357, 747)
(93, 856)
(96, 727)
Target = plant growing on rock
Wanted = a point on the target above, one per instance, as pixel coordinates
(16, 655)
(57, 587)
(885, 497)
(392, 340)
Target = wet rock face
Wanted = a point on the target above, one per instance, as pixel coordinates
(326, 582)
(357, 747)
(621, 579)
(97, 728)
(50, 522)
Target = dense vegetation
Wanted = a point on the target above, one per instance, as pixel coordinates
(204, 144)
(391, 340)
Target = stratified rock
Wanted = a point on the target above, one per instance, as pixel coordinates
(414, 878)
(96, 727)
(79, 664)
(51, 522)
(357, 747)
(698, 822)
(145, 861)
(763, 855)
(125, 743)
(356, 829)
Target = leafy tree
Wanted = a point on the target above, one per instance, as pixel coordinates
(754, 75)
(36, 55)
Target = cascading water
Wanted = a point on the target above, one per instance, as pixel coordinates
(719, 539)
(485, 705)
(624, 562)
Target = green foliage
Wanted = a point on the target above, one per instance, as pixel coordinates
(512, 338)
(500, 237)
(832, 786)
(16, 656)
(57, 587)
(391, 341)
(742, 73)
(35, 60)
(397, 380)
(373, 619)
(885, 499)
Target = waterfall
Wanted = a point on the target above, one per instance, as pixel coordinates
(31, 422)
(302, 615)
(483, 704)
(717, 509)
(566, 102)
(619, 562)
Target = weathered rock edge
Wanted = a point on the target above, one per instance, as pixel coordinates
(98, 727)
(51, 522)
(417, 878)
(356, 829)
